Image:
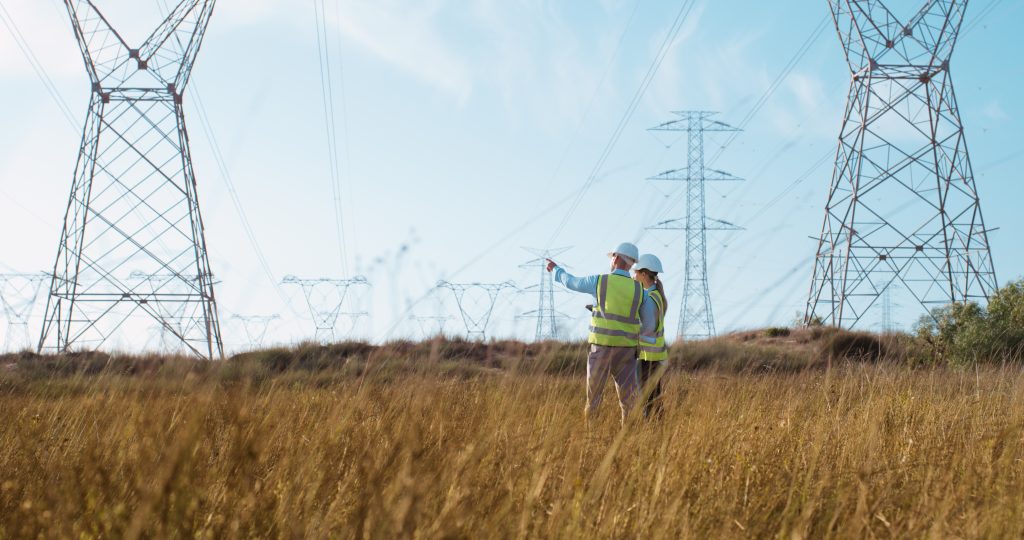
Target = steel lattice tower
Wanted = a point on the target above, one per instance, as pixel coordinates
(18, 294)
(431, 326)
(255, 328)
(476, 322)
(696, 318)
(133, 200)
(176, 318)
(545, 314)
(325, 297)
(902, 207)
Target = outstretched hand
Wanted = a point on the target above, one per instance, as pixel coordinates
(551, 265)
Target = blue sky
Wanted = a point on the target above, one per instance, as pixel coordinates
(461, 121)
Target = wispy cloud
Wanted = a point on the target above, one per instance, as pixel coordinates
(994, 111)
(408, 36)
(534, 60)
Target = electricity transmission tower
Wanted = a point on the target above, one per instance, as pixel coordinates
(476, 303)
(902, 207)
(431, 325)
(175, 320)
(133, 197)
(255, 328)
(888, 325)
(325, 298)
(18, 294)
(545, 314)
(696, 318)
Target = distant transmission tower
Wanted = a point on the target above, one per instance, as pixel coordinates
(887, 310)
(545, 314)
(476, 303)
(431, 325)
(696, 318)
(18, 294)
(325, 298)
(175, 319)
(133, 199)
(902, 207)
(255, 328)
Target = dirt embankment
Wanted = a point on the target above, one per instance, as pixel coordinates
(766, 350)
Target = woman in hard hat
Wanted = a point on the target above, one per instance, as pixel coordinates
(652, 351)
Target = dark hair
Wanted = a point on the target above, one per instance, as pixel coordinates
(658, 284)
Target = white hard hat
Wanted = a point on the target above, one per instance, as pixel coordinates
(648, 262)
(626, 250)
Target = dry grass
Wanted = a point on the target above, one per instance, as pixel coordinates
(373, 451)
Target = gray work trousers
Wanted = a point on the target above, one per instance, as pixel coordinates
(620, 363)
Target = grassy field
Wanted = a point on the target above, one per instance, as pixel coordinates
(357, 443)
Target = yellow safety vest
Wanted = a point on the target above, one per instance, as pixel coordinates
(615, 320)
(656, 351)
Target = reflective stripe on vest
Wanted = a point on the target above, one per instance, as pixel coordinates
(653, 352)
(615, 320)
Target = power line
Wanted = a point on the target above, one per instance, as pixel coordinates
(225, 175)
(774, 86)
(44, 77)
(985, 12)
(666, 45)
(793, 61)
(354, 240)
(327, 94)
(597, 91)
(487, 250)
(229, 184)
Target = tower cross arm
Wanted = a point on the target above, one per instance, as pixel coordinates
(682, 175)
(679, 224)
(685, 124)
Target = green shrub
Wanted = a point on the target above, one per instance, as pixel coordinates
(965, 333)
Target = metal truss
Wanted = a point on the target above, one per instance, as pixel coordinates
(133, 201)
(431, 325)
(887, 324)
(546, 315)
(326, 298)
(476, 303)
(18, 295)
(696, 317)
(255, 328)
(902, 207)
(175, 321)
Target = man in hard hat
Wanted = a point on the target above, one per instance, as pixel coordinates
(622, 311)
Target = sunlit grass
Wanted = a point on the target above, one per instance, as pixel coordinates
(433, 451)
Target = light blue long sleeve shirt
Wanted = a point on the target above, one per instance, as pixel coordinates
(588, 285)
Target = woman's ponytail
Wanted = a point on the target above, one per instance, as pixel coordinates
(661, 289)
